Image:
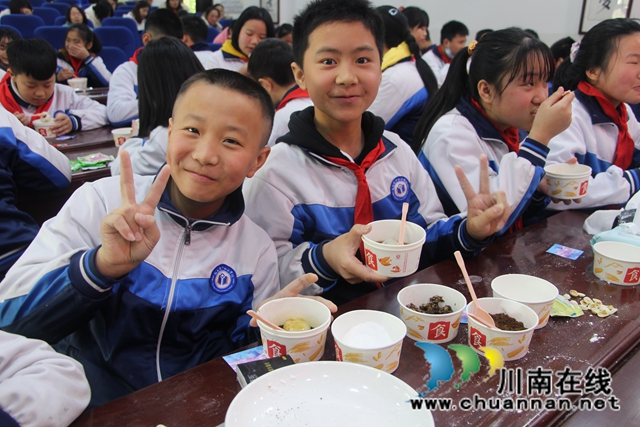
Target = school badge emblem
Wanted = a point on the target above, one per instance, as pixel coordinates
(223, 279)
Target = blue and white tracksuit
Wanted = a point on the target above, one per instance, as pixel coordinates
(93, 69)
(592, 138)
(147, 154)
(221, 59)
(122, 98)
(440, 68)
(460, 137)
(184, 305)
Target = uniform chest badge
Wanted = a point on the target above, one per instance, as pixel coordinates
(223, 279)
(400, 189)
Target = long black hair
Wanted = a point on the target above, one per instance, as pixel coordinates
(499, 58)
(252, 12)
(396, 31)
(163, 65)
(596, 49)
(79, 9)
(87, 37)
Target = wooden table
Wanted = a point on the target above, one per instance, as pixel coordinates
(201, 395)
(98, 94)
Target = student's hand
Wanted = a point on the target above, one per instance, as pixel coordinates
(293, 289)
(340, 255)
(542, 187)
(130, 232)
(64, 75)
(78, 51)
(23, 118)
(62, 124)
(553, 116)
(487, 212)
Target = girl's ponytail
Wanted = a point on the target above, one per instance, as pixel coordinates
(426, 73)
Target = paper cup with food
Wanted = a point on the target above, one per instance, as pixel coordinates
(383, 254)
(305, 321)
(43, 125)
(617, 262)
(431, 312)
(537, 294)
(567, 181)
(120, 136)
(515, 325)
(369, 337)
(78, 82)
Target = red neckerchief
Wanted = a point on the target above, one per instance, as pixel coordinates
(291, 95)
(12, 106)
(363, 212)
(443, 55)
(509, 135)
(134, 58)
(625, 145)
(76, 64)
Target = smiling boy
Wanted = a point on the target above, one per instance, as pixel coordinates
(140, 291)
(337, 169)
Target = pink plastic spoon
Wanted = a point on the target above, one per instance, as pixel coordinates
(480, 315)
(403, 222)
(263, 320)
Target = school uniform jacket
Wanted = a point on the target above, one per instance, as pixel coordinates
(303, 200)
(27, 161)
(204, 55)
(147, 154)
(401, 99)
(182, 306)
(460, 137)
(93, 69)
(122, 98)
(225, 60)
(437, 64)
(592, 138)
(281, 119)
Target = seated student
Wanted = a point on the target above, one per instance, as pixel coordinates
(407, 81)
(480, 112)
(604, 133)
(285, 32)
(225, 34)
(338, 169)
(79, 58)
(29, 88)
(75, 15)
(7, 35)
(156, 278)
(18, 7)
(148, 151)
(453, 37)
(562, 49)
(39, 386)
(253, 25)
(418, 21)
(27, 161)
(139, 14)
(98, 11)
(175, 6)
(122, 99)
(220, 8)
(195, 36)
(211, 17)
(270, 65)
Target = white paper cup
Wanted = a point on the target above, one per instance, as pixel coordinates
(535, 293)
(435, 328)
(384, 357)
(393, 260)
(617, 262)
(44, 127)
(78, 82)
(303, 346)
(120, 136)
(512, 345)
(567, 181)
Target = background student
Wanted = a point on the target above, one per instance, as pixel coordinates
(195, 36)
(75, 15)
(211, 17)
(604, 133)
(418, 21)
(453, 37)
(79, 58)
(285, 32)
(7, 35)
(18, 7)
(139, 14)
(98, 11)
(164, 63)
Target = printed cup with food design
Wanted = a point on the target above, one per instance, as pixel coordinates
(617, 262)
(513, 345)
(382, 252)
(435, 328)
(369, 337)
(43, 125)
(302, 345)
(535, 293)
(78, 82)
(120, 136)
(567, 181)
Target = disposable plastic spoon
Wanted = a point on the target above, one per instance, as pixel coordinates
(263, 320)
(405, 209)
(480, 315)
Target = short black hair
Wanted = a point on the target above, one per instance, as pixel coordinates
(452, 29)
(103, 9)
(320, 12)
(235, 81)
(9, 34)
(252, 12)
(79, 9)
(34, 58)
(272, 58)
(562, 48)
(284, 30)
(194, 27)
(164, 22)
(15, 6)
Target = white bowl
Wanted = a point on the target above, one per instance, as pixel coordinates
(321, 394)
(435, 328)
(380, 355)
(393, 260)
(617, 262)
(302, 346)
(535, 293)
(512, 345)
(44, 127)
(567, 181)
(121, 135)
(78, 83)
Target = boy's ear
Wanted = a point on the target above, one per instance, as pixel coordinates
(259, 162)
(486, 91)
(266, 83)
(13, 76)
(446, 43)
(146, 38)
(298, 74)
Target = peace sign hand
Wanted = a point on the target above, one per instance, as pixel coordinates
(130, 232)
(487, 212)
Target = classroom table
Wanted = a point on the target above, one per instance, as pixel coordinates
(97, 94)
(202, 395)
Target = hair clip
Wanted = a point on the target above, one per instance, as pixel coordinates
(472, 47)
(574, 51)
